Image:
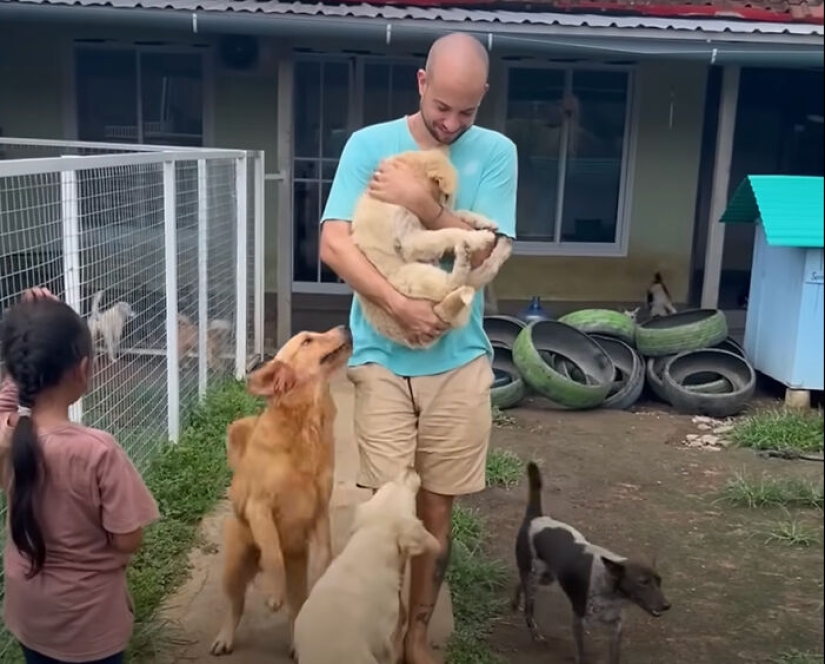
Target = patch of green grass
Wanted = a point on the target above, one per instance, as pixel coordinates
(798, 657)
(476, 582)
(791, 531)
(781, 429)
(772, 492)
(504, 468)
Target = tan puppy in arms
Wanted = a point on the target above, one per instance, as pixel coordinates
(282, 463)
(407, 254)
(354, 613)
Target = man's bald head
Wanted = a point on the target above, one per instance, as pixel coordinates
(452, 85)
(460, 53)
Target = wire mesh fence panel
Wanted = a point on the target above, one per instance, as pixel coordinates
(145, 248)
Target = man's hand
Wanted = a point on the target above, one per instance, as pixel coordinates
(394, 182)
(422, 325)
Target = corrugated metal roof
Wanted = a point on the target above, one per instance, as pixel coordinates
(791, 208)
(455, 15)
(751, 10)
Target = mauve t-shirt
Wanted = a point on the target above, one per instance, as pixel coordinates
(77, 609)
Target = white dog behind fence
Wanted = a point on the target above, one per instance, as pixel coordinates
(109, 324)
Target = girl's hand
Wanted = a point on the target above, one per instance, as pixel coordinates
(38, 293)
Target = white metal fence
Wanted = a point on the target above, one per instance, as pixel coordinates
(175, 234)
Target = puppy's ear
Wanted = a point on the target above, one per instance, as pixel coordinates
(414, 539)
(615, 569)
(273, 379)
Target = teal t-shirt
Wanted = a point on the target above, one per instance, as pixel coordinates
(488, 172)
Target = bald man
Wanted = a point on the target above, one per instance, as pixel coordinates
(430, 407)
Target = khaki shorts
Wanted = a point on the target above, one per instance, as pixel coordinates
(440, 424)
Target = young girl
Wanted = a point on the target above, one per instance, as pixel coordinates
(76, 504)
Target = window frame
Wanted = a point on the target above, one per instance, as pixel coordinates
(357, 62)
(207, 80)
(619, 247)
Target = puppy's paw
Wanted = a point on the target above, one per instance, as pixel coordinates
(477, 221)
(224, 644)
(478, 240)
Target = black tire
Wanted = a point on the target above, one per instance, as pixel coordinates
(506, 393)
(630, 373)
(735, 369)
(605, 322)
(565, 340)
(683, 331)
(503, 330)
(702, 383)
(732, 345)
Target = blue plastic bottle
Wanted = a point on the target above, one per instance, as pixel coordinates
(534, 311)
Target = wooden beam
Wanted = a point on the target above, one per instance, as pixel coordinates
(715, 247)
(285, 221)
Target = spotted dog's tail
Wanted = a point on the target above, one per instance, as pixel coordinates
(534, 505)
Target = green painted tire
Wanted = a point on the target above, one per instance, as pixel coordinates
(606, 322)
(510, 394)
(694, 329)
(565, 340)
(630, 373)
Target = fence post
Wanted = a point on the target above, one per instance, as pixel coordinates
(241, 223)
(70, 210)
(259, 248)
(170, 233)
(203, 278)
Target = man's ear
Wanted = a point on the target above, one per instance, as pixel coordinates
(414, 539)
(273, 379)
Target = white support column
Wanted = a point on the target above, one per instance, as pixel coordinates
(260, 253)
(241, 289)
(171, 254)
(285, 218)
(70, 212)
(203, 278)
(715, 247)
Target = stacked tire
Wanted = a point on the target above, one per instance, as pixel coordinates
(600, 358)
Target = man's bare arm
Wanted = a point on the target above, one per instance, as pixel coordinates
(340, 254)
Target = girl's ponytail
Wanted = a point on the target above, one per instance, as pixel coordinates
(27, 465)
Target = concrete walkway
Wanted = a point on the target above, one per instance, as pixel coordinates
(196, 610)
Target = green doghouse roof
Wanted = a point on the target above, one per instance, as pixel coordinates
(789, 207)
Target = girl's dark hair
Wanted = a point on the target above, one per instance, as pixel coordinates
(41, 340)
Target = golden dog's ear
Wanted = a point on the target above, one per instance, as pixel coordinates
(273, 379)
(414, 539)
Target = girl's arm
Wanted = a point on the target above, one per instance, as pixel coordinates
(127, 506)
(8, 396)
(8, 410)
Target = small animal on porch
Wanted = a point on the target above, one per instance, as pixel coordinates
(109, 324)
(218, 336)
(658, 298)
(632, 314)
(282, 464)
(598, 583)
(357, 603)
(407, 254)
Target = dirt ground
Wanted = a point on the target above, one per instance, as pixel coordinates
(626, 480)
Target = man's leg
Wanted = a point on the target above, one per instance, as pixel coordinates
(455, 419)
